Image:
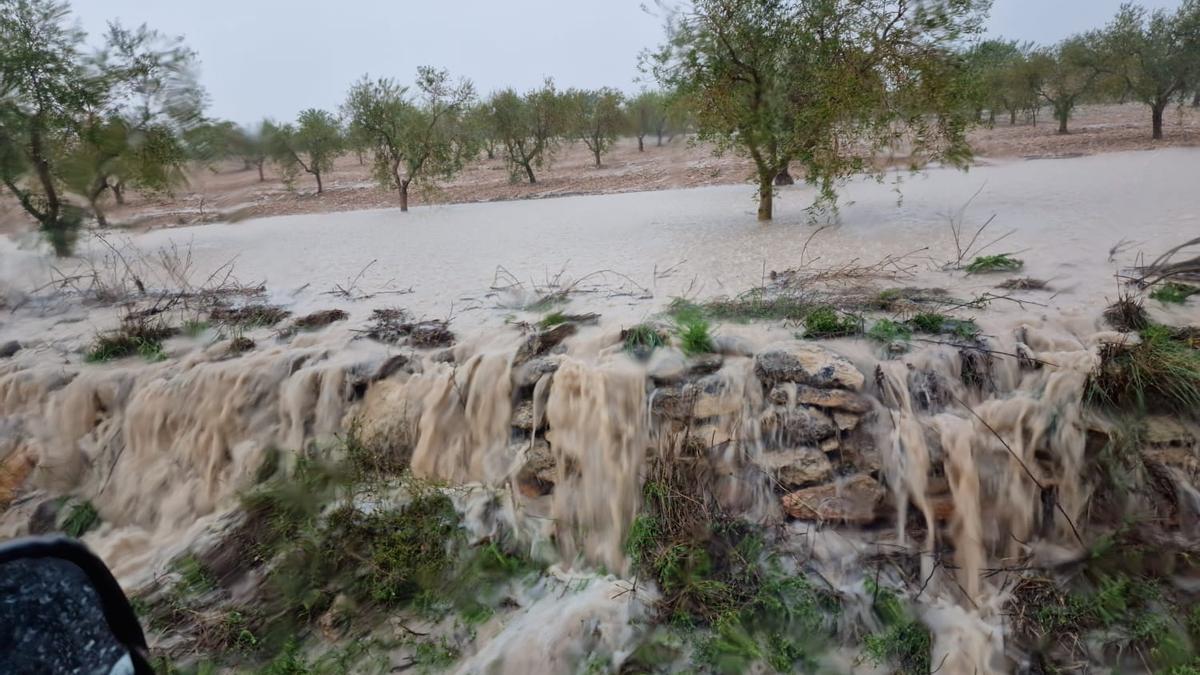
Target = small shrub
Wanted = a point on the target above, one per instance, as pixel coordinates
(1002, 262)
(1127, 314)
(320, 319)
(695, 337)
(888, 331)
(1023, 284)
(642, 339)
(1173, 293)
(928, 322)
(81, 520)
(134, 336)
(825, 322)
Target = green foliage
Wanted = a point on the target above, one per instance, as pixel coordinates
(936, 323)
(1066, 73)
(751, 306)
(802, 82)
(647, 114)
(311, 145)
(694, 331)
(642, 339)
(140, 337)
(553, 319)
(81, 122)
(1001, 77)
(905, 642)
(1001, 262)
(194, 328)
(1173, 293)
(413, 137)
(595, 117)
(527, 127)
(81, 520)
(826, 322)
(195, 579)
(1160, 373)
(888, 331)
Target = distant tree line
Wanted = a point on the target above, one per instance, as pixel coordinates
(826, 87)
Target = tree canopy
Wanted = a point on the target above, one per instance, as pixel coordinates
(311, 145)
(528, 127)
(823, 83)
(596, 118)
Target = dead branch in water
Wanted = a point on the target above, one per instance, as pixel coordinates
(965, 248)
(1163, 269)
(351, 291)
(557, 289)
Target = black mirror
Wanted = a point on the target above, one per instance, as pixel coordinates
(61, 611)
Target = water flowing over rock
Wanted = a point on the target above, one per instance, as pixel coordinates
(809, 364)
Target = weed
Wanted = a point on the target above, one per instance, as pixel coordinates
(928, 322)
(888, 331)
(1162, 372)
(1127, 314)
(255, 315)
(936, 323)
(134, 336)
(1001, 262)
(695, 332)
(904, 642)
(195, 579)
(194, 328)
(434, 654)
(289, 661)
(642, 339)
(553, 319)
(82, 519)
(1173, 293)
(825, 322)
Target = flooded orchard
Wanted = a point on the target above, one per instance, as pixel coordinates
(941, 431)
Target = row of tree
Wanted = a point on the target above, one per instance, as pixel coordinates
(1152, 58)
(828, 86)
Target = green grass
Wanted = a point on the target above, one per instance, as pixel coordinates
(1002, 262)
(81, 520)
(888, 331)
(194, 328)
(826, 322)
(642, 339)
(693, 329)
(936, 323)
(904, 642)
(144, 340)
(553, 319)
(1173, 293)
(194, 577)
(1159, 374)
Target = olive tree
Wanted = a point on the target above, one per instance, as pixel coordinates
(1066, 73)
(82, 123)
(311, 145)
(596, 118)
(825, 83)
(413, 137)
(647, 114)
(1156, 55)
(527, 126)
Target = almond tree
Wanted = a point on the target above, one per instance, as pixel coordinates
(413, 138)
(829, 85)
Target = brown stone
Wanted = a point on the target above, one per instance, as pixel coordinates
(845, 421)
(807, 363)
(522, 417)
(797, 426)
(541, 342)
(835, 399)
(799, 467)
(854, 500)
(537, 477)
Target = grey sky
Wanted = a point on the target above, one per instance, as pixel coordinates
(276, 57)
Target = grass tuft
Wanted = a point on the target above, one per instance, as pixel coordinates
(1001, 262)
(1160, 373)
(81, 520)
(905, 642)
(134, 336)
(642, 339)
(888, 331)
(693, 329)
(553, 319)
(1173, 293)
(825, 322)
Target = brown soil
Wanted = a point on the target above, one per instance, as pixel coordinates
(231, 193)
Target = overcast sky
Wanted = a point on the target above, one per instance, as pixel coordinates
(276, 57)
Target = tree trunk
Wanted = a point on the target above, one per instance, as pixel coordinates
(766, 196)
(1157, 111)
(784, 177)
(529, 172)
(641, 144)
(658, 143)
(261, 177)
(596, 152)
(491, 152)
(1196, 100)
(404, 196)
(1012, 118)
(320, 187)
(118, 191)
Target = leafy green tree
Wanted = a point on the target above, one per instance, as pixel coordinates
(254, 145)
(1066, 73)
(528, 127)
(990, 65)
(87, 122)
(825, 83)
(311, 145)
(596, 118)
(413, 137)
(1156, 55)
(647, 114)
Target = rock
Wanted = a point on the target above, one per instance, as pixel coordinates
(712, 398)
(676, 403)
(45, 517)
(1162, 430)
(666, 366)
(523, 419)
(537, 477)
(708, 436)
(528, 374)
(732, 345)
(541, 342)
(10, 348)
(838, 399)
(854, 500)
(798, 468)
(704, 364)
(830, 444)
(444, 356)
(807, 363)
(797, 426)
(845, 421)
(857, 448)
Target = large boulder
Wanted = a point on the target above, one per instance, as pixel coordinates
(809, 364)
(855, 500)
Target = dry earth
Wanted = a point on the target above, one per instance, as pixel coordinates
(231, 193)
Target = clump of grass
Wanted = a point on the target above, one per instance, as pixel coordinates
(693, 329)
(888, 331)
(936, 323)
(134, 336)
(928, 322)
(1001, 262)
(1160, 373)
(826, 322)
(320, 319)
(642, 339)
(755, 305)
(254, 315)
(905, 642)
(194, 328)
(1127, 314)
(194, 577)
(1173, 293)
(553, 319)
(82, 518)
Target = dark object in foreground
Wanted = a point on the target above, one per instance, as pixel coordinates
(63, 612)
